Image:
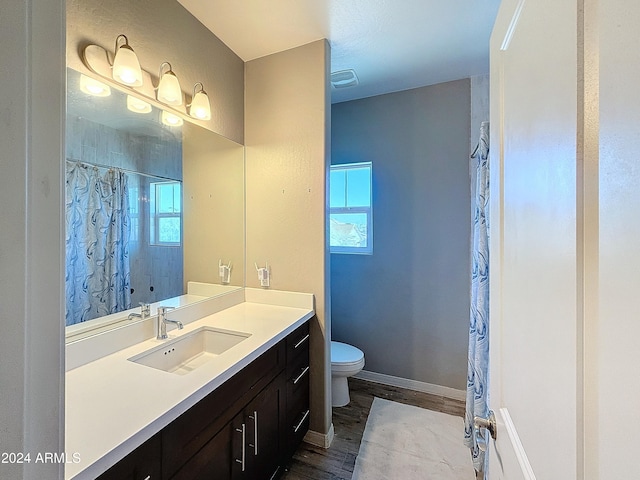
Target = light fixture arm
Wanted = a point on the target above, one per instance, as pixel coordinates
(126, 66)
(168, 90)
(200, 107)
(126, 42)
(168, 71)
(194, 90)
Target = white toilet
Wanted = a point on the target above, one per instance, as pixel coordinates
(346, 361)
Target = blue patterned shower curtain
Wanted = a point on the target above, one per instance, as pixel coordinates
(97, 273)
(478, 364)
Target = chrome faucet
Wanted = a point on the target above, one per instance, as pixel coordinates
(145, 311)
(162, 322)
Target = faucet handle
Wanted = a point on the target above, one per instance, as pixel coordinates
(145, 309)
(163, 309)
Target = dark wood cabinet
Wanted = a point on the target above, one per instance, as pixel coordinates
(191, 431)
(141, 464)
(212, 462)
(258, 433)
(245, 429)
(297, 386)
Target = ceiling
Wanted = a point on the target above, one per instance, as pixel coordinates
(392, 45)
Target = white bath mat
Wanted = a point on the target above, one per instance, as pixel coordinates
(406, 442)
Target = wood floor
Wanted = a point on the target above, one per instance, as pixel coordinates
(337, 461)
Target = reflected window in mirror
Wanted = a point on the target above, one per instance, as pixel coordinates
(166, 213)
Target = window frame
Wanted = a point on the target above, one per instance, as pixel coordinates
(156, 216)
(367, 210)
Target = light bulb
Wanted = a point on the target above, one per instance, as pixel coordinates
(126, 67)
(138, 106)
(169, 90)
(171, 120)
(200, 107)
(94, 87)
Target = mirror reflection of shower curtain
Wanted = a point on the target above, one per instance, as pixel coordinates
(97, 272)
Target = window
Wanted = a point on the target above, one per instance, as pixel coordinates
(134, 214)
(350, 222)
(166, 213)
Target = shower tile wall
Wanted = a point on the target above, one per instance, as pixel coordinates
(156, 271)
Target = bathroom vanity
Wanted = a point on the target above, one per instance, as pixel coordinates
(240, 414)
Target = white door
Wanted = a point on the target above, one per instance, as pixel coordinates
(534, 255)
(565, 239)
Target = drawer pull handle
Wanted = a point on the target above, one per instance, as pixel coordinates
(304, 339)
(255, 432)
(275, 474)
(242, 430)
(299, 377)
(304, 417)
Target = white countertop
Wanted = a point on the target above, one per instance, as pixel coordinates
(114, 405)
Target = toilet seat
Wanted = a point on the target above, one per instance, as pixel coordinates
(345, 357)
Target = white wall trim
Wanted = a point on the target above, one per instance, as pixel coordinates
(412, 385)
(318, 439)
(516, 444)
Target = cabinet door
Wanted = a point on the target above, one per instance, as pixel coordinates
(141, 464)
(212, 462)
(258, 431)
(189, 433)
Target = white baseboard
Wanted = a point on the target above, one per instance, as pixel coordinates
(412, 385)
(318, 439)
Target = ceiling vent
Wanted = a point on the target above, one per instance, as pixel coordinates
(344, 79)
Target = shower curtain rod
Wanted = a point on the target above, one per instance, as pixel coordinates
(126, 170)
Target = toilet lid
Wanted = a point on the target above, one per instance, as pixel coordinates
(343, 353)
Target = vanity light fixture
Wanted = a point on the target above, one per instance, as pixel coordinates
(137, 106)
(126, 67)
(200, 107)
(169, 90)
(94, 87)
(171, 120)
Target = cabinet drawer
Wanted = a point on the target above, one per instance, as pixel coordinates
(297, 422)
(298, 373)
(298, 425)
(298, 342)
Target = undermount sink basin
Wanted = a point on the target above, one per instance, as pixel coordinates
(190, 351)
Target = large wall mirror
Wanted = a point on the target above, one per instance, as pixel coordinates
(153, 202)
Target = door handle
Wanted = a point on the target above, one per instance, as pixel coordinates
(488, 423)
(254, 417)
(241, 460)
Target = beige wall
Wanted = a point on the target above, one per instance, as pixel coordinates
(31, 238)
(287, 123)
(213, 197)
(162, 31)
